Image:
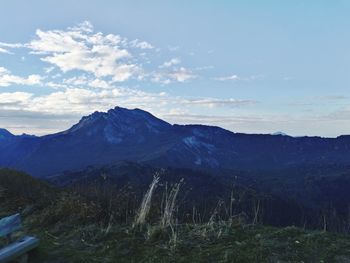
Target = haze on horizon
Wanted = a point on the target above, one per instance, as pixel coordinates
(246, 66)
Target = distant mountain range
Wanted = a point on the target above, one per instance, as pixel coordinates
(136, 135)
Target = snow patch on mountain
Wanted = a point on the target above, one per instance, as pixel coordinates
(198, 161)
(194, 142)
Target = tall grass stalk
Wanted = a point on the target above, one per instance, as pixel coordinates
(215, 213)
(170, 201)
(146, 202)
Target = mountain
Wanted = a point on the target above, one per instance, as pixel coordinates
(5, 134)
(136, 135)
(280, 133)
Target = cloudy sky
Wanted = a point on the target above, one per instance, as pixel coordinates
(248, 66)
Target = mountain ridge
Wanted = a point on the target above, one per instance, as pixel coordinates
(135, 135)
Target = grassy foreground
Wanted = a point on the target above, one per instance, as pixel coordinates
(218, 242)
(72, 228)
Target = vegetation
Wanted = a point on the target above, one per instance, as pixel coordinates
(74, 227)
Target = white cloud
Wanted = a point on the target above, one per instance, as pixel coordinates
(82, 81)
(5, 46)
(84, 26)
(213, 102)
(4, 71)
(7, 79)
(99, 83)
(171, 62)
(175, 74)
(182, 74)
(160, 78)
(231, 77)
(54, 85)
(79, 80)
(179, 75)
(103, 58)
(49, 69)
(78, 48)
(11, 45)
(80, 101)
(10, 100)
(140, 44)
(236, 77)
(2, 50)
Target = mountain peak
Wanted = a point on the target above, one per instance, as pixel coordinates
(121, 119)
(5, 134)
(135, 114)
(280, 133)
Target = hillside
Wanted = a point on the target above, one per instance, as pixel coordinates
(302, 196)
(73, 228)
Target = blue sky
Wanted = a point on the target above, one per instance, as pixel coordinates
(248, 66)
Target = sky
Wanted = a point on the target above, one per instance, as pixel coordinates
(247, 66)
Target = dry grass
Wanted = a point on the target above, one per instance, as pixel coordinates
(146, 203)
(170, 201)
